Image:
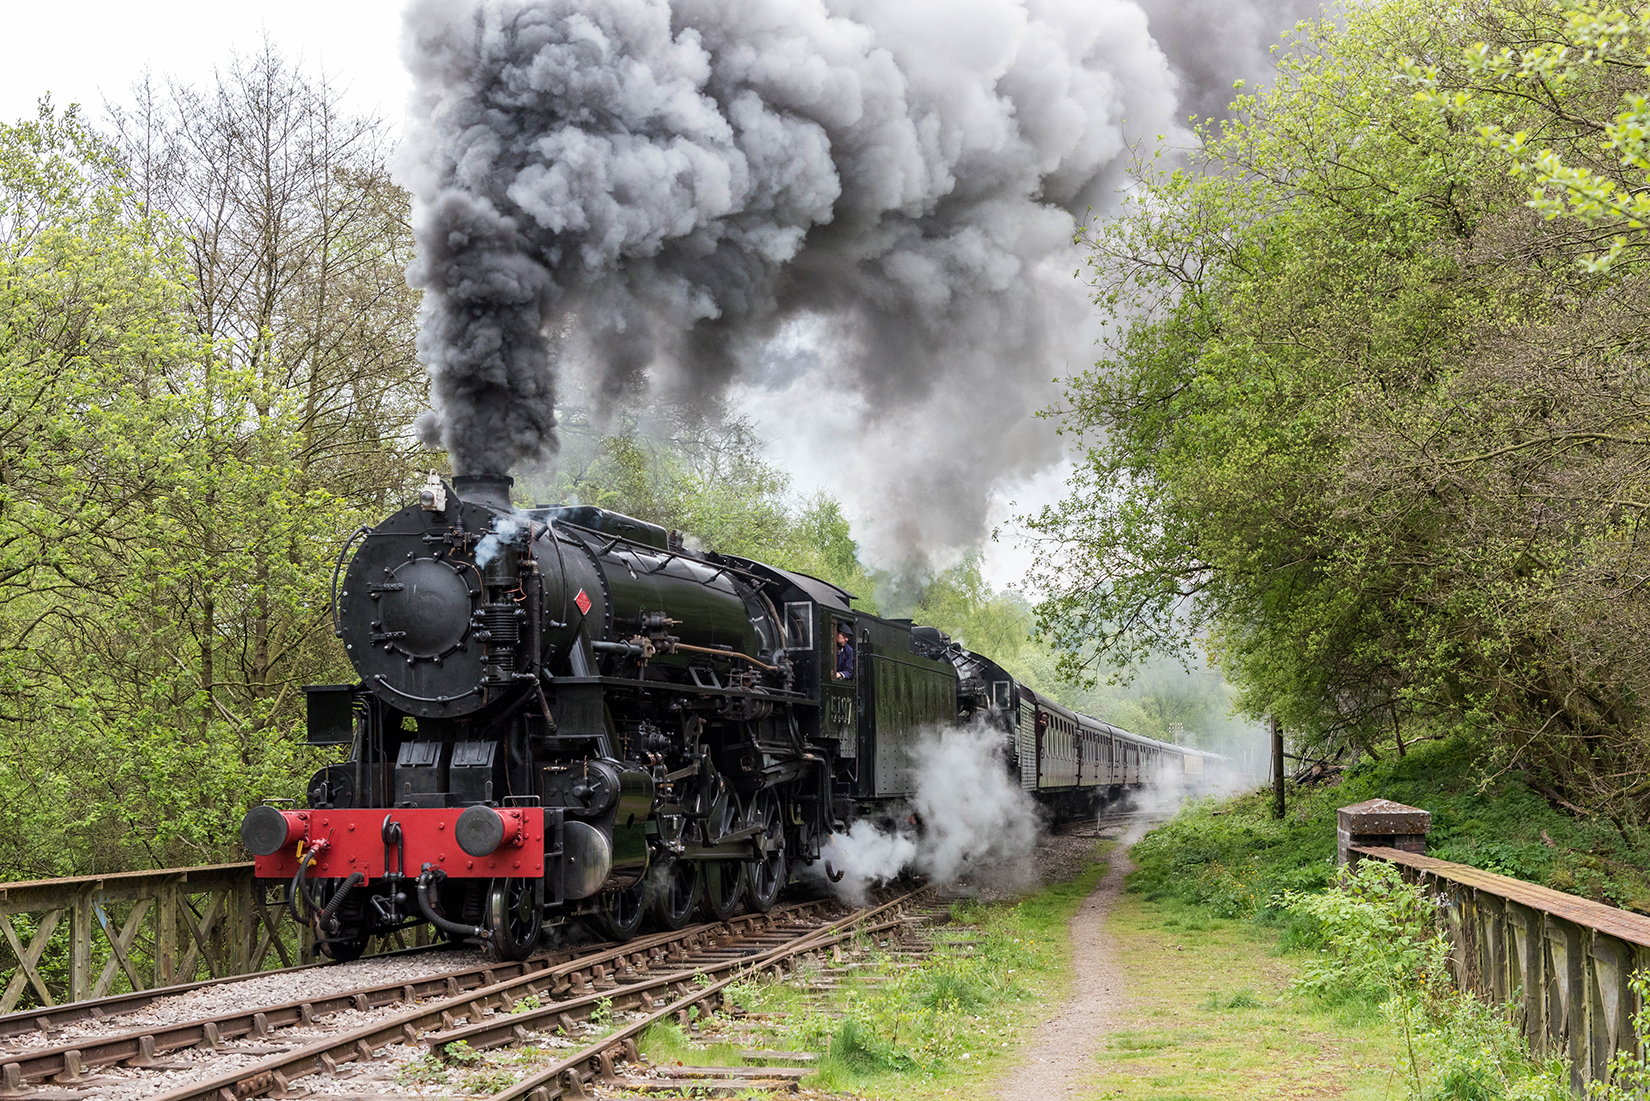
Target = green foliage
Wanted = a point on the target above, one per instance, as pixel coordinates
(1234, 858)
(1465, 1050)
(701, 472)
(460, 1054)
(176, 468)
(1383, 943)
(1363, 424)
(1380, 935)
(1600, 179)
(458, 1066)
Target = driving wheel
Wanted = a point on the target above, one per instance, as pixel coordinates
(676, 893)
(514, 918)
(767, 875)
(619, 914)
(724, 880)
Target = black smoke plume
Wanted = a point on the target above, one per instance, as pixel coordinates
(646, 193)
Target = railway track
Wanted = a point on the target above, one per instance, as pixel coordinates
(1097, 826)
(68, 1062)
(264, 1050)
(57, 1018)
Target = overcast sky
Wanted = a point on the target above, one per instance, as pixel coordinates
(94, 51)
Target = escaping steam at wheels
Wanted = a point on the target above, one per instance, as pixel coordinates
(565, 713)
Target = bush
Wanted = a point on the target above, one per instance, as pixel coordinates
(1382, 942)
(1380, 936)
(1219, 854)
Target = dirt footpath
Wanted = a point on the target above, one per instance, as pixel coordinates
(1059, 1059)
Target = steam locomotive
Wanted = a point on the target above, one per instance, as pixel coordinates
(566, 713)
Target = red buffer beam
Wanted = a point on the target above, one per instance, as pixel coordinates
(476, 843)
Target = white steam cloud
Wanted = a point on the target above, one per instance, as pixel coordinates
(505, 530)
(975, 819)
(648, 192)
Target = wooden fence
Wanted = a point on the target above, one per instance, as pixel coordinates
(67, 940)
(1562, 962)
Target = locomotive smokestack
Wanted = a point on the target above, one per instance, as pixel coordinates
(492, 490)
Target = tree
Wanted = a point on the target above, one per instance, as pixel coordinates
(296, 243)
(701, 471)
(206, 381)
(1365, 425)
(1595, 169)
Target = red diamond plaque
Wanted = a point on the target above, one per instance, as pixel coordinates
(583, 602)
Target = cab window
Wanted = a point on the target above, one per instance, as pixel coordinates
(799, 625)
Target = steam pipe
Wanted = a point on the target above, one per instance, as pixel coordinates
(338, 568)
(426, 878)
(327, 922)
(724, 654)
(634, 649)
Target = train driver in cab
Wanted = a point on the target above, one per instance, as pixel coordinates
(844, 652)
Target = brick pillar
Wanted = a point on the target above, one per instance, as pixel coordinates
(1380, 822)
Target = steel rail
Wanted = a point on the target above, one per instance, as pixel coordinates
(277, 1073)
(493, 1033)
(53, 1018)
(142, 1047)
(551, 1082)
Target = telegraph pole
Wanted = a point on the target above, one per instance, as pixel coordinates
(1277, 768)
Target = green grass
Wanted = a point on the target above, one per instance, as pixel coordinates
(943, 1028)
(1212, 1018)
(1210, 942)
(665, 1043)
(955, 1022)
(1233, 857)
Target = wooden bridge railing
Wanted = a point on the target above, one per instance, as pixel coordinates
(1563, 962)
(67, 940)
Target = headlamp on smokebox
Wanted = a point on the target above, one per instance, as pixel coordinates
(433, 497)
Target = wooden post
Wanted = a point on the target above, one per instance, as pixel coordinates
(238, 923)
(80, 947)
(166, 935)
(1277, 768)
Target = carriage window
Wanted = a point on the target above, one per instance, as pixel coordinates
(799, 625)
